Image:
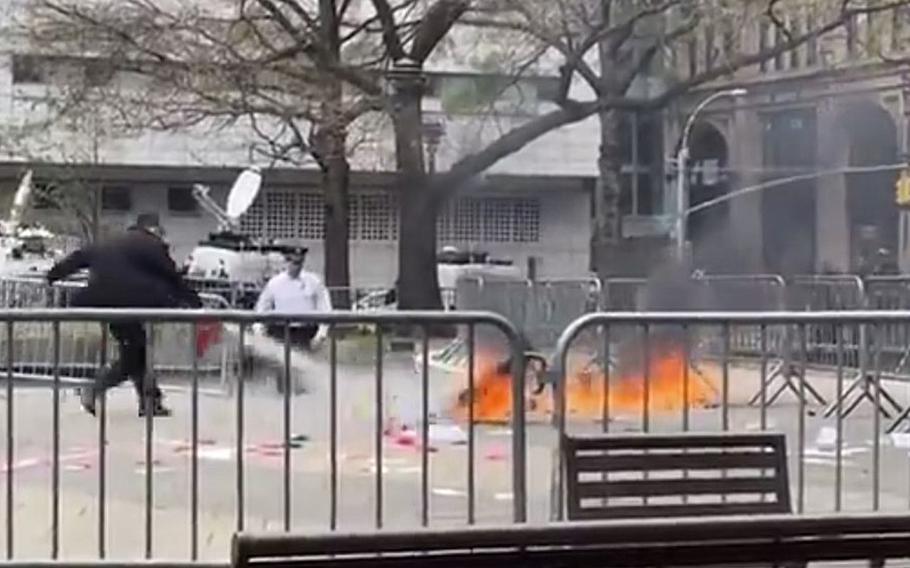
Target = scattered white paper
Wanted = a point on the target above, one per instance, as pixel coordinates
(827, 438)
(445, 492)
(447, 434)
(216, 454)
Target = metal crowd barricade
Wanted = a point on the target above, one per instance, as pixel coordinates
(757, 292)
(80, 349)
(335, 387)
(623, 294)
(540, 308)
(636, 403)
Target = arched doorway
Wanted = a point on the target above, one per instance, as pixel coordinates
(709, 179)
(871, 138)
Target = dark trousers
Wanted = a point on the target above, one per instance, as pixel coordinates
(131, 363)
(301, 338)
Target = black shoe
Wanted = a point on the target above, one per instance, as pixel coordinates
(158, 409)
(87, 398)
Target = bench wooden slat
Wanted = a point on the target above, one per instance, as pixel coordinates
(648, 441)
(685, 510)
(668, 462)
(670, 487)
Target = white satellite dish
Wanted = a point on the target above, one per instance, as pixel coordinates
(21, 199)
(244, 192)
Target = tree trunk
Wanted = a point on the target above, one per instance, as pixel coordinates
(335, 188)
(418, 279)
(606, 239)
(331, 146)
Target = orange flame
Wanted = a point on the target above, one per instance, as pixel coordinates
(665, 390)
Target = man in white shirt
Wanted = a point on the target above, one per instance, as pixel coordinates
(296, 291)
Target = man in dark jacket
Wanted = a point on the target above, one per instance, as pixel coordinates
(132, 271)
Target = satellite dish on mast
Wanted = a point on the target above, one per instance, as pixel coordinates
(243, 193)
(21, 199)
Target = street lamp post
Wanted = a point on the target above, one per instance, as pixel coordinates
(682, 157)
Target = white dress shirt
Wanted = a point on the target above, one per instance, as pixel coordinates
(287, 295)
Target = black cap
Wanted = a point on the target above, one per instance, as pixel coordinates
(296, 253)
(149, 222)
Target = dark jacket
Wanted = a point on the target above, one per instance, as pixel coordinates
(133, 271)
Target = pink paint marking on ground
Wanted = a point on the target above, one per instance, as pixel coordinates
(76, 456)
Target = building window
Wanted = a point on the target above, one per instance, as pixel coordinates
(693, 57)
(850, 27)
(796, 29)
(763, 31)
(311, 215)
(778, 40)
(491, 220)
(301, 215)
(640, 141)
(898, 26)
(812, 44)
(29, 70)
(375, 215)
(116, 198)
(180, 200)
(709, 47)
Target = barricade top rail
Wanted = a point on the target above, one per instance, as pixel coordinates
(737, 318)
(773, 278)
(832, 279)
(242, 316)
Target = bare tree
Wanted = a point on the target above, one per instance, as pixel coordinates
(275, 67)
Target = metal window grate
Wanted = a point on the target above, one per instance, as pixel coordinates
(311, 216)
(492, 219)
(375, 217)
(299, 215)
(498, 219)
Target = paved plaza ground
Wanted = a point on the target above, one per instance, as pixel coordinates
(813, 478)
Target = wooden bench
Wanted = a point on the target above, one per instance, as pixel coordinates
(680, 475)
(694, 541)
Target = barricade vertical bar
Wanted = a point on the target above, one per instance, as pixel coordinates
(519, 481)
(839, 424)
(379, 428)
(763, 393)
(149, 389)
(725, 374)
(102, 452)
(194, 451)
(471, 432)
(606, 368)
(559, 417)
(686, 385)
(802, 418)
(55, 468)
(646, 388)
(239, 426)
(877, 420)
(425, 428)
(333, 430)
(10, 393)
(286, 453)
